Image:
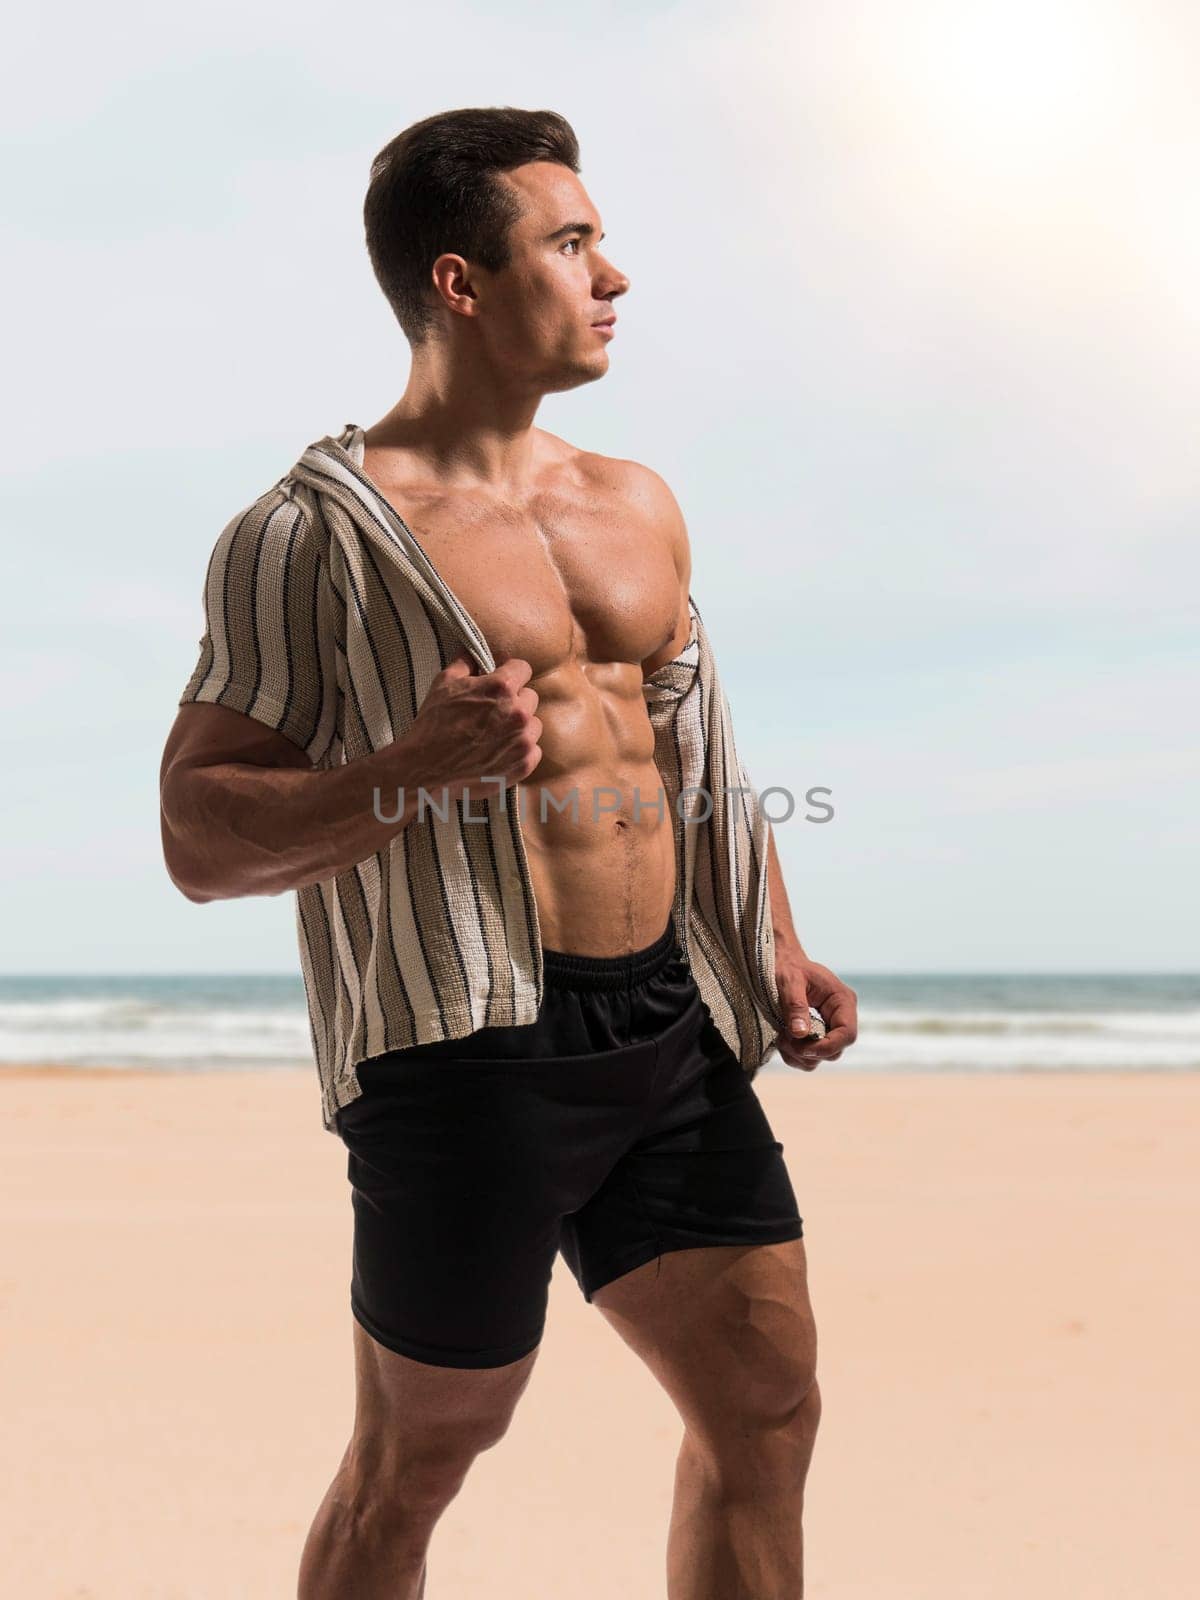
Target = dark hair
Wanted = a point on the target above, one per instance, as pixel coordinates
(434, 189)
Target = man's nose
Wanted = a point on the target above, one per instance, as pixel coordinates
(615, 283)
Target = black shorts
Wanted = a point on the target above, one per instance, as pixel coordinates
(617, 1126)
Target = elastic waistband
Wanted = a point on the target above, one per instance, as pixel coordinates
(564, 970)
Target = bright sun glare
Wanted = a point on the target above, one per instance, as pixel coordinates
(1006, 82)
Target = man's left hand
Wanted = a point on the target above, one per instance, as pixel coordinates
(802, 983)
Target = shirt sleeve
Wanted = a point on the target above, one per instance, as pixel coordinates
(271, 625)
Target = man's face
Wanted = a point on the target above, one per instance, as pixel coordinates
(538, 316)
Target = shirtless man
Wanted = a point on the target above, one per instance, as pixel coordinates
(577, 569)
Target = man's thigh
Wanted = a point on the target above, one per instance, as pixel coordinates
(455, 1227)
(408, 1412)
(461, 1169)
(728, 1330)
(706, 1170)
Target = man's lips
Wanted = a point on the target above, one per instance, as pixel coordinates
(606, 323)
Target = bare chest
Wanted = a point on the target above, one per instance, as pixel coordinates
(563, 580)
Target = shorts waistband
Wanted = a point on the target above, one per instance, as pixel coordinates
(565, 970)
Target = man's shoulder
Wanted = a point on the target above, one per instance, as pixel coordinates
(277, 525)
(635, 484)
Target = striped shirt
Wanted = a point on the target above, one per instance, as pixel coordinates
(327, 621)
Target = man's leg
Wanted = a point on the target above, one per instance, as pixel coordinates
(417, 1429)
(728, 1331)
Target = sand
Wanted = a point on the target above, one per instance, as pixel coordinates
(1004, 1272)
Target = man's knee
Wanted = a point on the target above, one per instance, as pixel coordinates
(419, 1426)
(423, 1467)
(791, 1405)
(770, 1452)
(807, 1414)
(777, 1366)
(770, 1409)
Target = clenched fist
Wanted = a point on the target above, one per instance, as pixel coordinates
(473, 725)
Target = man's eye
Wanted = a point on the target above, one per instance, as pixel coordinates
(570, 241)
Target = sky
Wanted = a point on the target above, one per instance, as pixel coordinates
(912, 333)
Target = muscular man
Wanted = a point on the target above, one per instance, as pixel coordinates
(535, 1016)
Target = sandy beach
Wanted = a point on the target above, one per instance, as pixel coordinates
(1004, 1271)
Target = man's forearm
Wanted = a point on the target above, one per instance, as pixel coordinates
(237, 829)
(787, 940)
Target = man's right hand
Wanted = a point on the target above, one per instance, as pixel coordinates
(472, 725)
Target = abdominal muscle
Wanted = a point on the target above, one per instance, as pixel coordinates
(595, 820)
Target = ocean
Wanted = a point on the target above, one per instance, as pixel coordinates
(926, 1022)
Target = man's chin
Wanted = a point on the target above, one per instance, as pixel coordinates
(584, 372)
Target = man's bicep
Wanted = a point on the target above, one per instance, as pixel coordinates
(269, 645)
(669, 518)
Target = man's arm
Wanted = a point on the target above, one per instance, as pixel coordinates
(248, 804)
(668, 518)
(802, 982)
(787, 940)
(799, 979)
(244, 812)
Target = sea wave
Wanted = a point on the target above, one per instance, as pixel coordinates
(918, 1024)
(117, 1031)
(895, 1040)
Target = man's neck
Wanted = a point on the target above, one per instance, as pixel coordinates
(461, 434)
